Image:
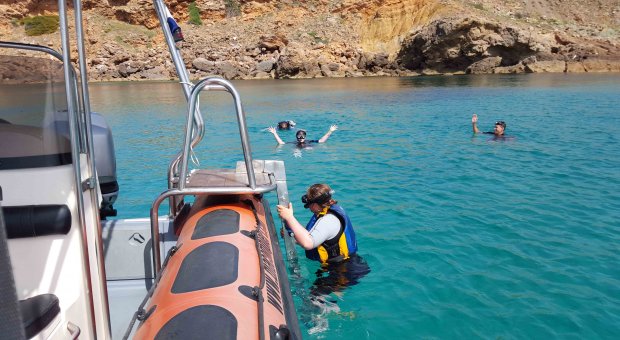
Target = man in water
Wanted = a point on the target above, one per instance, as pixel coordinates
(498, 131)
(301, 137)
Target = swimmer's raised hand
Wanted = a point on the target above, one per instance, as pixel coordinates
(333, 128)
(272, 129)
(474, 118)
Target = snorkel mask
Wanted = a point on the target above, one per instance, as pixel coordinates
(322, 199)
(300, 135)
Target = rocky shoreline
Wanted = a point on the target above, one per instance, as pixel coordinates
(320, 38)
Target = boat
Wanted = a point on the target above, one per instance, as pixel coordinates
(210, 268)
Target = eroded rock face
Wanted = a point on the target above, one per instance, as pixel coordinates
(486, 65)
(350, 38)
(477, 46)
(533, 65)
(601, 64)
(461, 44)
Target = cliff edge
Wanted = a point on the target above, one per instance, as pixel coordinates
(241, 39)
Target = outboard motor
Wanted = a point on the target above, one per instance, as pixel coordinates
(105, 161)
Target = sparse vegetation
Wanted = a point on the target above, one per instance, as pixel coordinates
(194, 14)
(479, 6)
(233, 8)
(39, 25)
(317, 39)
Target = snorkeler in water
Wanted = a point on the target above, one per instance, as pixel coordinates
(300, 135)
(498, 131)
(286, 125)
(500, 127)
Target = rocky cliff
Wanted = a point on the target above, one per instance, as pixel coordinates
(324, 38)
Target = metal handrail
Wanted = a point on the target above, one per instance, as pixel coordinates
(72, 102)
(38, 48)
(216, 83)
(210, 84)
(94, 188)
(193, 191)
(173, 168)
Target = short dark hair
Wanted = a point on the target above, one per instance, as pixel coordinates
(284, 125)
(501, 123)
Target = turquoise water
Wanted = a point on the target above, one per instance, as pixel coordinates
(467, 237)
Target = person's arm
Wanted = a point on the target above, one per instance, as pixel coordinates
(474, 123)
(329, 133)
(302, 236)
(275, 134)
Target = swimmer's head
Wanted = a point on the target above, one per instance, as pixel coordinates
(500, 127)
(301, 136)
(284, 125)
(321, 194)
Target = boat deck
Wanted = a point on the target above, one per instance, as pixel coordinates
(224, 178)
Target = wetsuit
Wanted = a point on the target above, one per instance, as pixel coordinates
(304, 144)
(498, 138)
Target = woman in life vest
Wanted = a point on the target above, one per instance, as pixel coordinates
(328, 238)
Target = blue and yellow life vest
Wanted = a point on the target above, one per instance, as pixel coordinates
(338, 248)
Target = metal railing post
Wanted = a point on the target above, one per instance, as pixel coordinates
(75, 152)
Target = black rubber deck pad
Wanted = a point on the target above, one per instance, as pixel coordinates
(200, 322)
(217, 222)
(211, 265)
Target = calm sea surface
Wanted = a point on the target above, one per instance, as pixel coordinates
(466, 237)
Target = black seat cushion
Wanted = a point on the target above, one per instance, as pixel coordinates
(38, 312)
(37, 220)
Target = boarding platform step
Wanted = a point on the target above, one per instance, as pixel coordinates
(210, 178)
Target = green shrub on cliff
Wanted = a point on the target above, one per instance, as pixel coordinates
(318, 39)
(233, 8)
(194, 14)
(39, 25)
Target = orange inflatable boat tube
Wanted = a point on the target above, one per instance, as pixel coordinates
(225, 280)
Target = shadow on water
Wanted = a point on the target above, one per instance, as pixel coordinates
(508, 80)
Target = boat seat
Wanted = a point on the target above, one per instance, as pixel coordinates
(38, 312)
(37, 220)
